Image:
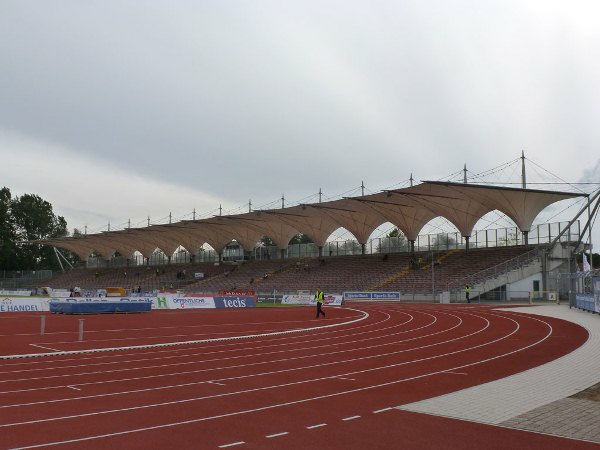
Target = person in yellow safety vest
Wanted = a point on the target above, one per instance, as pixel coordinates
(319, 300)
(467, 293)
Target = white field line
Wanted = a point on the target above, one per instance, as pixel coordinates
(295, 402)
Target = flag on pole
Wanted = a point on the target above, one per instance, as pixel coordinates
(586, 264)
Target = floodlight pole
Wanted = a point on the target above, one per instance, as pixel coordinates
(432, 277)
(523, 177)
(590, 236)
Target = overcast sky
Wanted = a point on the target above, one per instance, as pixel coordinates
(117, 110)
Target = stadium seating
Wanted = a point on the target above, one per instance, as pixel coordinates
(391, 272)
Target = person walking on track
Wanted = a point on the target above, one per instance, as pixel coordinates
(319, 300)
(468, 293)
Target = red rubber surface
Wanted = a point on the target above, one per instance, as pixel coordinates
(332, 387)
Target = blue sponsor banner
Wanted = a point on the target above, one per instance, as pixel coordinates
(354, 295)
(99, 307)
(386, 295)
(235, 302)
(372, 295)
(585, 301)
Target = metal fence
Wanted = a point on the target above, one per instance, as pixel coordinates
(13, 279)
(501, 237)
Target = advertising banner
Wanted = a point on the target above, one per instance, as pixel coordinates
(586, 302)
(372, 295)
(236, 293)
(23, 304)
(15, 293)
(596, 286)
(357, 295)
(308, 299)
(195, 301)
(296, 299)
(190, 302)
(235, 302)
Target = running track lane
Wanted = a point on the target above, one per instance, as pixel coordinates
(332, 386)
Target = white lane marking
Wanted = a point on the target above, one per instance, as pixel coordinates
(264, 408)
(383, 410)
(286, 344)
(73, 387)
(226, 367)
(455, 373)
(198, 341)
(241, 365)
(269, 436)
(346, 378)
(45, 348)
(301, 382)
(232, 444)
(162, 357)
(214, 382)
(350, 418)
(316, 426)
(240, 377)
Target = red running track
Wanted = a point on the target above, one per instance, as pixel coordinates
(267, 378)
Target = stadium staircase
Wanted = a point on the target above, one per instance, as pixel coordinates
(509, 271)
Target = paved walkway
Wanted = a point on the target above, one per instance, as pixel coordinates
(535, 399)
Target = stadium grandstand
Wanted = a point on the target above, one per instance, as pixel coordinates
(228, 252)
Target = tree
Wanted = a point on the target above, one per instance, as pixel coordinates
(395, 241)
(444, 241)
(266, 241)
(301, 238)
(8, 239)
(349, 247)
(32, 218)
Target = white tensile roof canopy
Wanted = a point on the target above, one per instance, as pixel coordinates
(409, 209)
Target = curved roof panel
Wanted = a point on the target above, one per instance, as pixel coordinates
(409, 209)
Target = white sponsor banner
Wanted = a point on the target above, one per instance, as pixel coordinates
(296, 299)
(175, 301)
(308, 299)
(23, 304)
(15, 293)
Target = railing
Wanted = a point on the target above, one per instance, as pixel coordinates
(501, 237)
(11, 279)
(497, 270)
